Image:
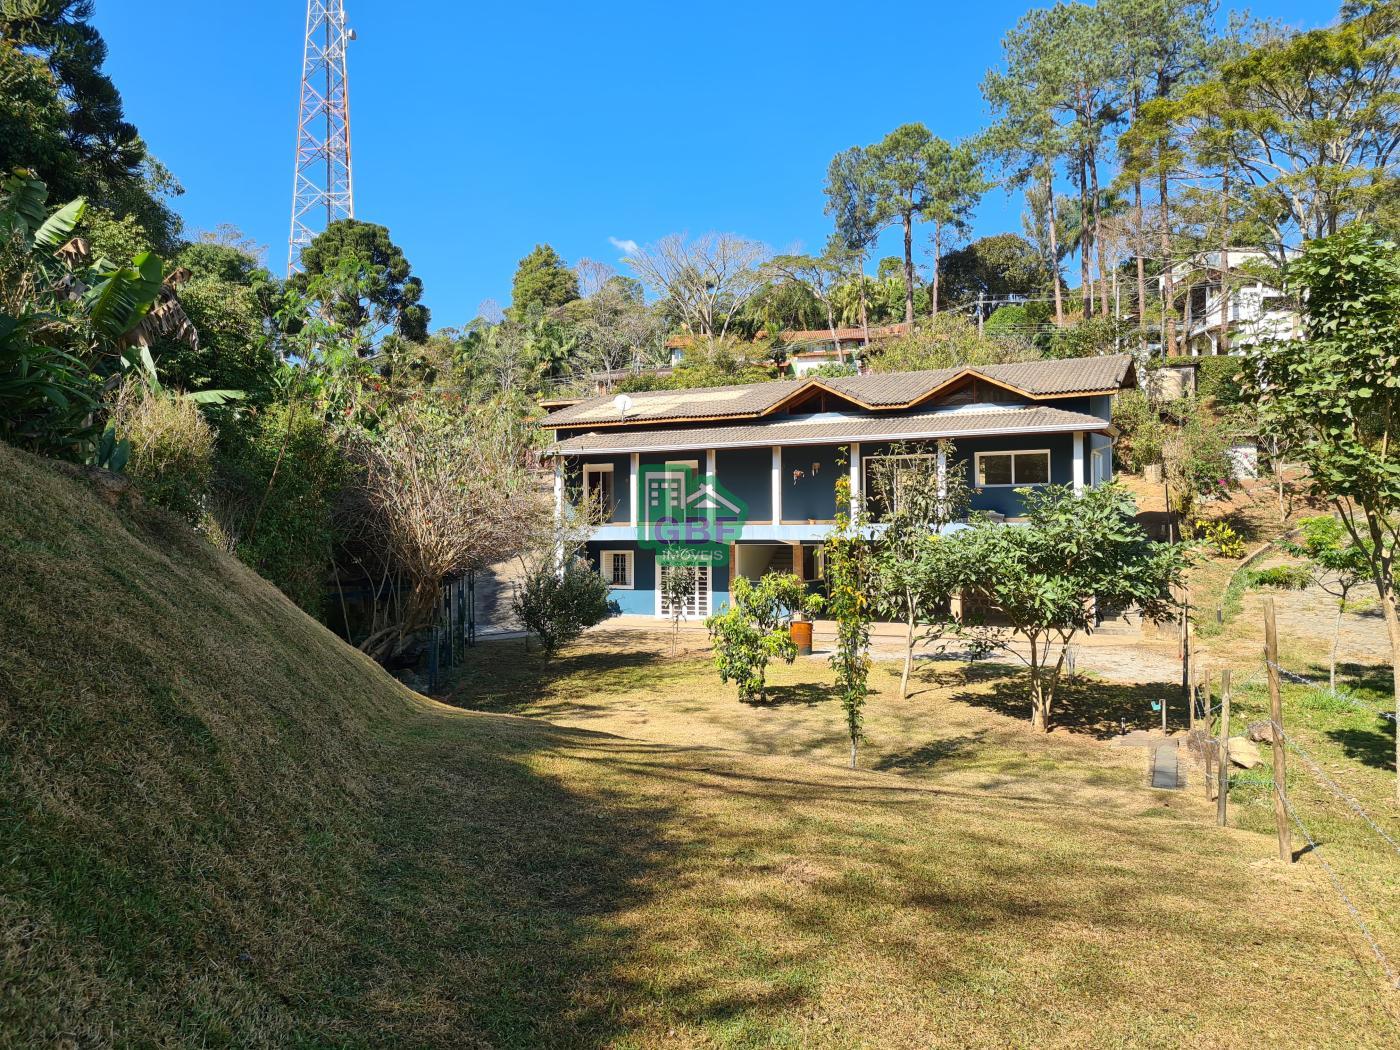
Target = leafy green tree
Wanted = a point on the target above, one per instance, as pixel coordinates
(915, 571)
(906, 162)
(948, 341)
(62, 117)
(1305, 121)
(542, 279)
(853, 201)
(997, 267)
(818, 276)
(230, 299)
(359, 280)
(1334, 397)
(1165, 46)
(851, 581)
(754, 629)
(1338, 565)
(955, 186)
(1046, 577)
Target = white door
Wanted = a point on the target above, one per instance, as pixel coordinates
(696, 604)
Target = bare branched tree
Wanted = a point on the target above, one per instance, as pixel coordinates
(707, 280)
(593, 276)
(448, 489)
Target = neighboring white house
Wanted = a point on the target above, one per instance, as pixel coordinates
(1254, 311)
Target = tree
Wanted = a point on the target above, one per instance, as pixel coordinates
(819, 275)
(542, 279)
(1003, 266)
(850, 575)
(706, 281)
(1338, 566)
(904, 164)
(755, 629)
(676, 589)
(359, 280)
(1167, 46)
(853, 201)
(1307, 123)
(956, 185)
(1335, 398)
(446, 490)
(1074, 554)
(951, 340)
(916, 495)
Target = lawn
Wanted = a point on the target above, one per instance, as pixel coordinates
(964, 726)
(221, 827)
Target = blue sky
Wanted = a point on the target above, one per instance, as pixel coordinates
(480, 130)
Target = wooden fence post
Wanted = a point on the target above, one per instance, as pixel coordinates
(1222, 771)
(1285, 833)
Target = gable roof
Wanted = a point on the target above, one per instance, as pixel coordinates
(1040, 419)
(1035, 380)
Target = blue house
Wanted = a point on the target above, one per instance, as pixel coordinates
(748, 473)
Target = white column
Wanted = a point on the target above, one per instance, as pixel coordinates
(777, 484)
(559, 514)
(710, 463)
(1078, 462)
(633, 472)
(857, 495)
(942, 468)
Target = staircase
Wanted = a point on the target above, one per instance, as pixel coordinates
(781, 560)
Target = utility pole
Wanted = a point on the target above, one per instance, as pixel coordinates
(322, 188)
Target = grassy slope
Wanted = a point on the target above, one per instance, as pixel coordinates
(219, 826)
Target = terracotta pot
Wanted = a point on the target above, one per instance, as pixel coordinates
(802, 636)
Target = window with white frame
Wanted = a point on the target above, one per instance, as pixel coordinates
(598, 486)
(616, 567)
(1018, 468)
(887, 476)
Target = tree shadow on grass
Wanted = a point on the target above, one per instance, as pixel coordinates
(1372, 747)
(796, 693)
(1098, 709)
(487, 915)
(925, 756)
(488, 682)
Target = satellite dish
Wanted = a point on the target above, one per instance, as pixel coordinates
(622, 403)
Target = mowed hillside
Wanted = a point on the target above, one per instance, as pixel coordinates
(219, 826)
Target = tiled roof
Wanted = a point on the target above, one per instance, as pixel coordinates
(824, 430)
(887, 390)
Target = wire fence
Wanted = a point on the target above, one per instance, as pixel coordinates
(1313, 767)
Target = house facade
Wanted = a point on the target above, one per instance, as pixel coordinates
(748, 473)
(1251, 310)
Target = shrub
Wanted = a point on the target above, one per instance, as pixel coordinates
(1284, 577)
(1089, 337)
(172, 449)
(1197, 460)
(281, 473)
(556, 607)
(1143, 434)
(754, 629)
(1221, 537)
(1218, 378)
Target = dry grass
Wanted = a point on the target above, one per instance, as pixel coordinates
(221, 827)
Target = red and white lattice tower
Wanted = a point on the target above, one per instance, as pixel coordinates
(322, 188)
